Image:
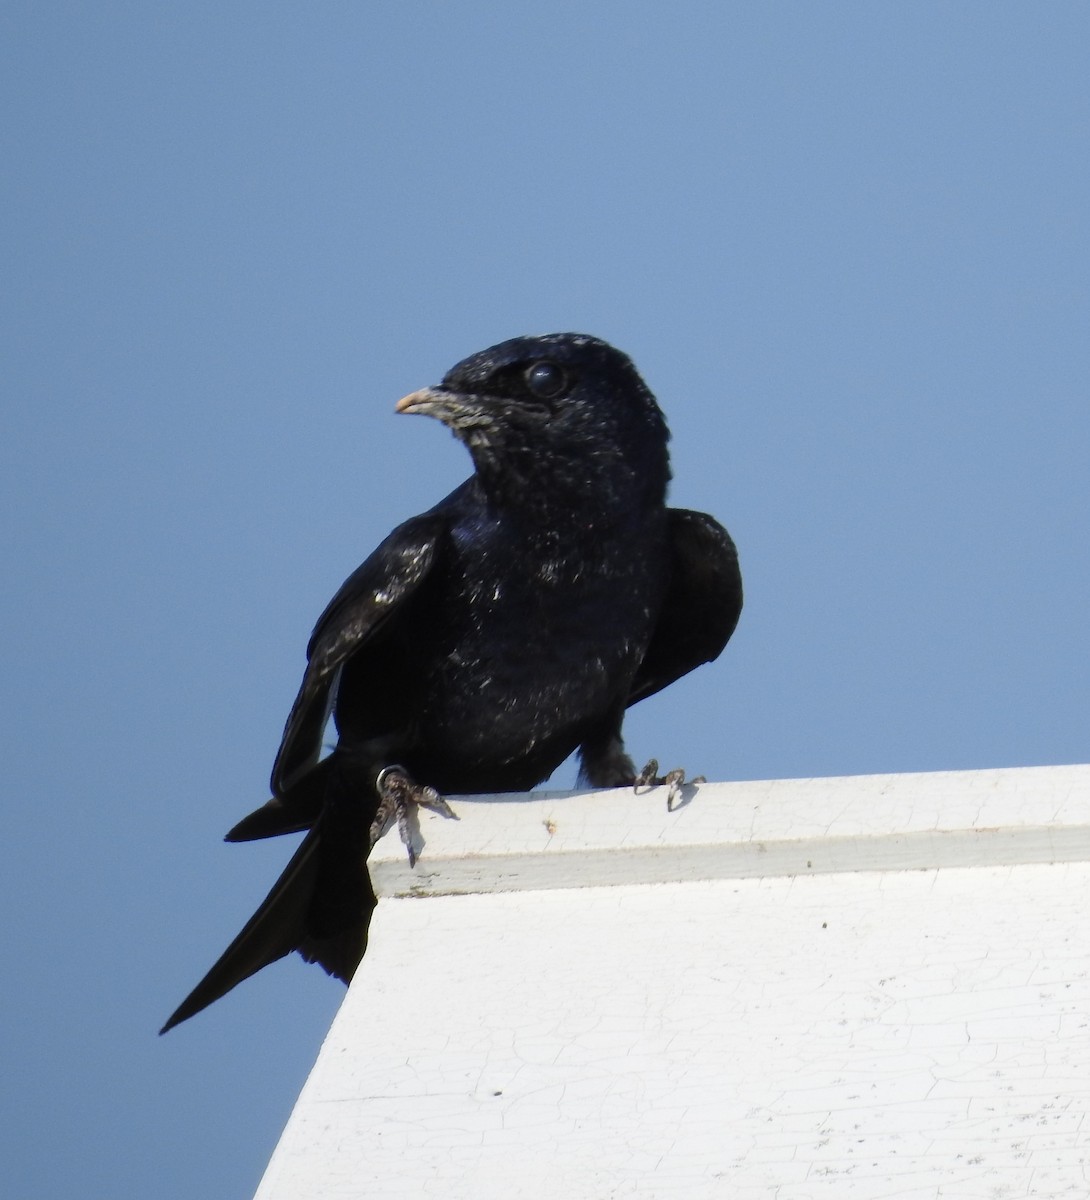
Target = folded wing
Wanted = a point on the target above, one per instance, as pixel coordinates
(702, 604)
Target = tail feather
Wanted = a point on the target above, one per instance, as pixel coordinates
(321, 906)
(275, 930)
(298, 809)
(322, 903)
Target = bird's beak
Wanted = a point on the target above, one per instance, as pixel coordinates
(460, 411)
(423, 401)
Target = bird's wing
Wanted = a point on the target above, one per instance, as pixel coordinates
(370, 597)
(702, 605)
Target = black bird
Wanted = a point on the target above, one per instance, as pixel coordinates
(488, 638)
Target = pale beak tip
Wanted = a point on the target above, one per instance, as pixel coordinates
(406, 403)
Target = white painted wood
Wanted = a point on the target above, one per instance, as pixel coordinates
(735, 830)
(848, 1029)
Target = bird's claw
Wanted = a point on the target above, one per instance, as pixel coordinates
(400, 797)
(673, 780)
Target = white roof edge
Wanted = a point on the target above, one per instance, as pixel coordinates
(548, 840)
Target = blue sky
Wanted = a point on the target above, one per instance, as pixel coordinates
(847, 245)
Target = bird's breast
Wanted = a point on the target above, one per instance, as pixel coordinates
(538, 644)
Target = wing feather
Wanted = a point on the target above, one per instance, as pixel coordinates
(702, 604)
(370, 597)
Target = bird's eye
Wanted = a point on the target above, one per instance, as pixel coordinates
(546, 379)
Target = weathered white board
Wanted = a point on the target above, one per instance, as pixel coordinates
(853, 1022)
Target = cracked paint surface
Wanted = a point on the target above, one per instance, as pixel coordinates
(901, 1034)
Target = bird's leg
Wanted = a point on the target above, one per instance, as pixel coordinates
(399, 796)
(605, 765)
(674, 780)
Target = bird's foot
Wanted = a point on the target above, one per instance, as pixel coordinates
(400, 797)
(673, 780)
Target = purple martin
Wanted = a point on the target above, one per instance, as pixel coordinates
(487, 639)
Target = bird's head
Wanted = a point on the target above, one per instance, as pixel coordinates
(564, 413)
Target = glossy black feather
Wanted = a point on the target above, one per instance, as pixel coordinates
(702, 605)
(374, 593)
(486, 640)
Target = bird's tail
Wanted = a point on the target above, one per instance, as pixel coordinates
(297, 809)
(321, 906)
